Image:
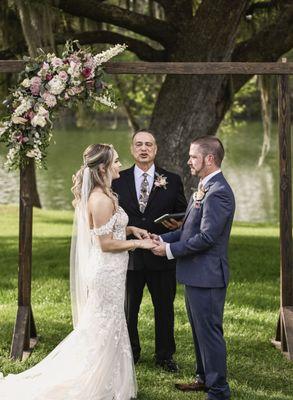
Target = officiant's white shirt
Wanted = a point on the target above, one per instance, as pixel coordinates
(204, 181)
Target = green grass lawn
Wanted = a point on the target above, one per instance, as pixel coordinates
(257, 371)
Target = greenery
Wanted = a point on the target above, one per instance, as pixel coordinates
(256, 370)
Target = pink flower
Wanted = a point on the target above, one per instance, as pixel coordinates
(90, 83)
(75, 90)
(21, 139)
(50, 99)
(57, 62)
(35, 85)
(63, 75)
(45, 66)
(49, 77)
(30, 114)
(86, 72)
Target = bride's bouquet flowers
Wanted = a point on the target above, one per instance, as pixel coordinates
(48, 83)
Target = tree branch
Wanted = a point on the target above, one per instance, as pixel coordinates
(150, 27)
(14, 51)
(141, 49)
(265, 5)
(267, 45)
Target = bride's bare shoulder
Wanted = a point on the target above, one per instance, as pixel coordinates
(99, 200)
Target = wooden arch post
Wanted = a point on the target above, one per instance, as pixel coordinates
(25, 330)
(284, 336)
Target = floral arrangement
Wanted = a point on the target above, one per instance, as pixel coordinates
(160, 181)
(199, 195)
(47, 83)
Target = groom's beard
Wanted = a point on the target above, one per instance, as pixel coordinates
(198, 173)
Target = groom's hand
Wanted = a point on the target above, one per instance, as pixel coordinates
(160, 249)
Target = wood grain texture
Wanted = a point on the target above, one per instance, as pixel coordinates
(184, 68)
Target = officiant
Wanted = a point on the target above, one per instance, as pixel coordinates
(147, 192)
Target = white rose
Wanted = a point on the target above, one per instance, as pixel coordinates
(38, 120)
(26, 83)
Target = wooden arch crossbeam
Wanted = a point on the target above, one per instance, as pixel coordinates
(24, 336)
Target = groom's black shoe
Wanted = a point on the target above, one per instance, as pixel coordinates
(196, 386)
(168, 365)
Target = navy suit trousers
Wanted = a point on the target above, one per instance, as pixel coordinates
(205, 307)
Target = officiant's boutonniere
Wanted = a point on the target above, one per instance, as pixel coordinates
(160, 181)
(198, 196)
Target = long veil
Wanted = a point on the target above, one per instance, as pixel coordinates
(80, 251)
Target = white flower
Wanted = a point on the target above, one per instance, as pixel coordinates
(3, 129)
(34, 153)
(24, 106)
(18, 120)
(56, 85)
(106, 55)
(74, 69)
(106, 101)
(26, 83)
(38, 120)
(42, 111)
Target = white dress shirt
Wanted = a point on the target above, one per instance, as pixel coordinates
(138, 177)
(204, 181)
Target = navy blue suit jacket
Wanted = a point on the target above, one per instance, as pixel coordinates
(201, 245)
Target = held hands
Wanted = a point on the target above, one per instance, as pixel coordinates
(147, 244)
(139, 233)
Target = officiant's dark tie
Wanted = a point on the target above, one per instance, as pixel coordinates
(144, 193)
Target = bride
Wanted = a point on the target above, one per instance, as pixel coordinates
(94, 362)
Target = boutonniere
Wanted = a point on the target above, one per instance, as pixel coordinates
(199, 195)
(160, 181)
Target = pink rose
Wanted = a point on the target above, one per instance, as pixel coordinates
(50, 99)
(35, 85)
(63, 75)
(57, 62)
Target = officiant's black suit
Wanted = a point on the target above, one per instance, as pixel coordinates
(158, 273)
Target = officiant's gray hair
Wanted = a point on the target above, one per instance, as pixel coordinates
(211, 145)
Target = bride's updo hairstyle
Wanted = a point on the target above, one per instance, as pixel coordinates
(99, 159)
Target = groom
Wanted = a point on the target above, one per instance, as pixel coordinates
(200, 247)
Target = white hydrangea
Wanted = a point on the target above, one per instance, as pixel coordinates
(38, 120)
(24, 106)
(56, 86)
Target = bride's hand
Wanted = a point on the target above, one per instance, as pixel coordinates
(146, 244)
(139, 233)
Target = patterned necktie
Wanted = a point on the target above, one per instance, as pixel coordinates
(144, 193)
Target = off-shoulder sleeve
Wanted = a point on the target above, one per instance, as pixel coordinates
(106, 228)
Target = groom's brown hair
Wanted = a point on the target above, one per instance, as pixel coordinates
(211, 145)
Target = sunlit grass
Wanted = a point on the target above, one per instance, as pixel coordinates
(257, 371)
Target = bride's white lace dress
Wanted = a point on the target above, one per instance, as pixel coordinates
(94, 362)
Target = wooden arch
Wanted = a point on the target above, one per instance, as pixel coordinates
(24, 336)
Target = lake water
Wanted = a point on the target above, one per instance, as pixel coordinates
(256, 189)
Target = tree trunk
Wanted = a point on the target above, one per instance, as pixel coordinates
(187, 107)
(191, 106)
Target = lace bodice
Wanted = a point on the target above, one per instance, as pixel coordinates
(116, 224)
